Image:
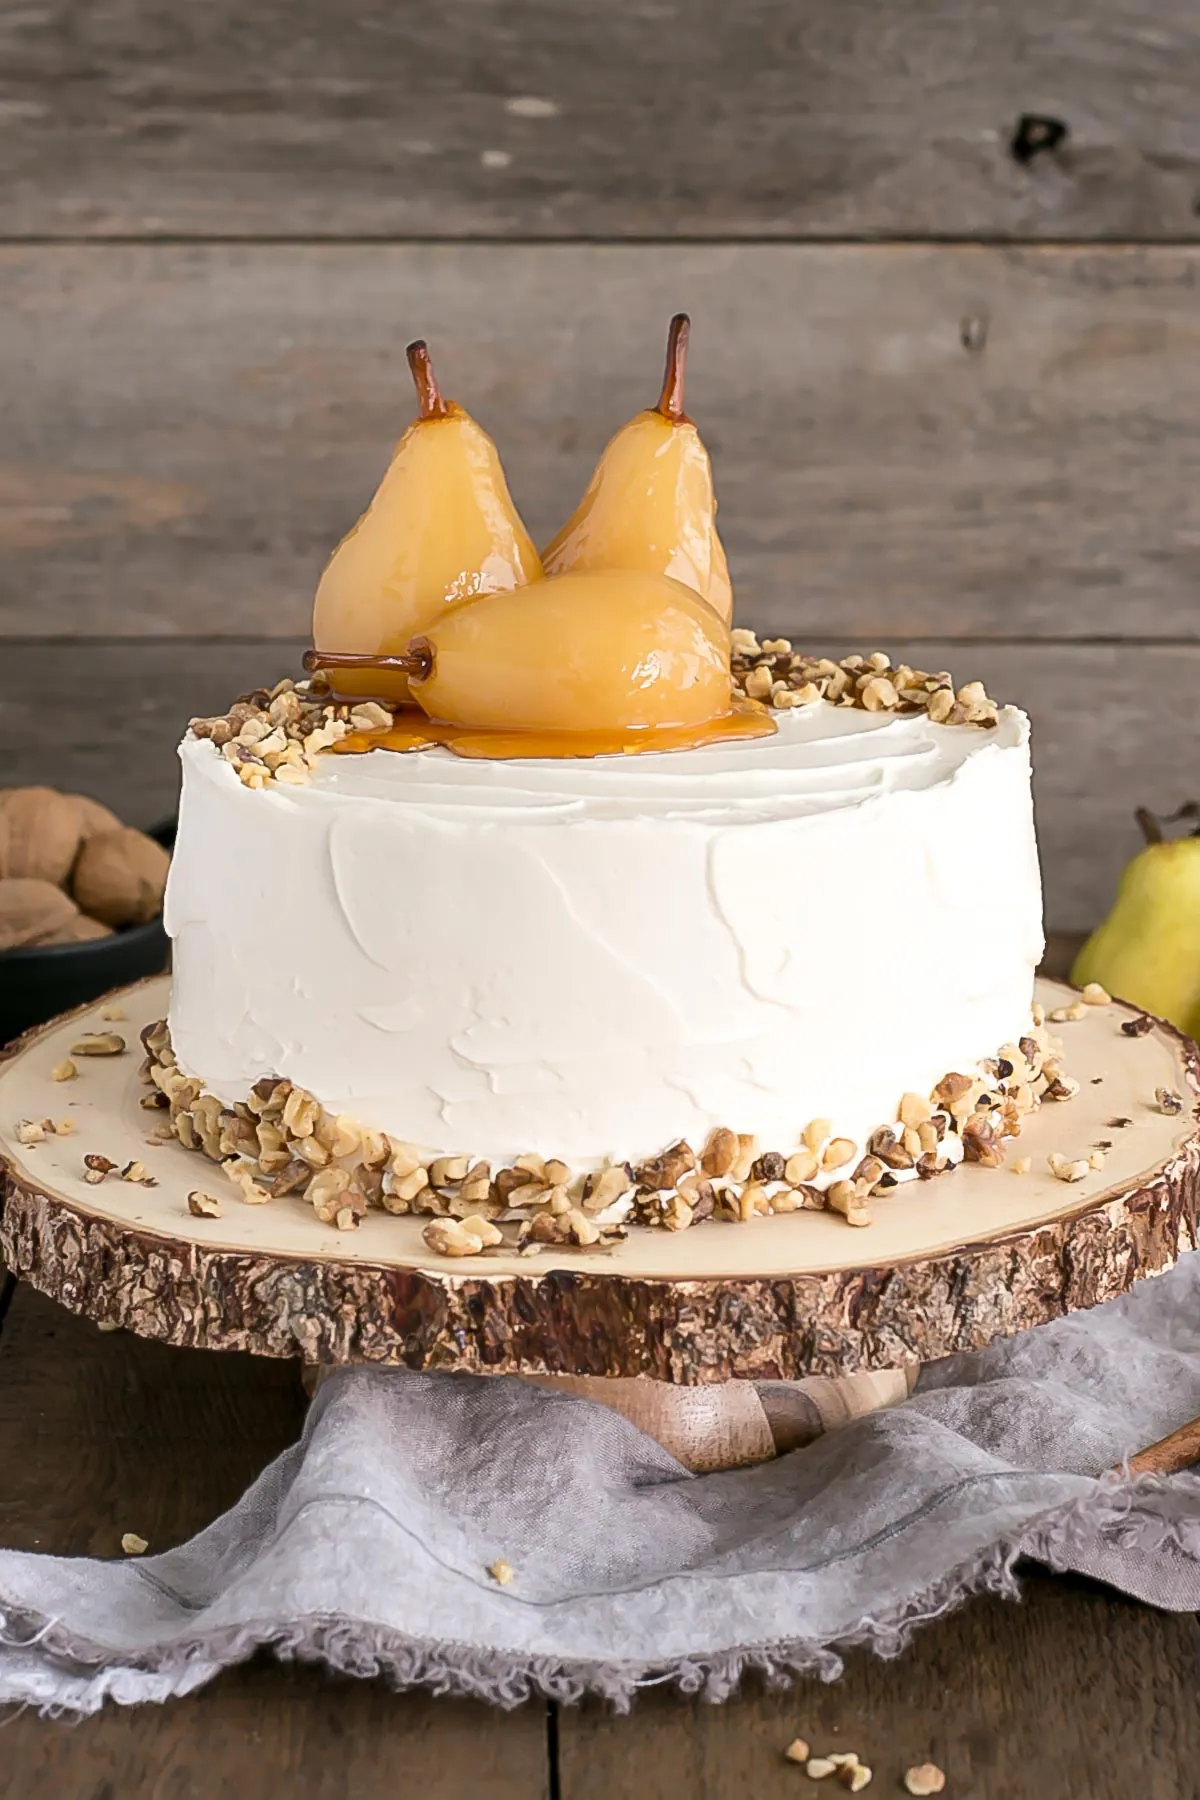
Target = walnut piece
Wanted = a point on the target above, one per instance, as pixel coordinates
(924, 1779)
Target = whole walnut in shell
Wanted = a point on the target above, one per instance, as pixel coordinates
(34, 912)
(93, 818)
(120, 876)
(79, 930)
(39, 834)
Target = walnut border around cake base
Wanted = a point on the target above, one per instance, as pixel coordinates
(570, 1320)
(599, 1321)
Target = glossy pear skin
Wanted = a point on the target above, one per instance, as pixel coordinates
(596, 650)
(1148, 949)
(649, 506)
(442, 527)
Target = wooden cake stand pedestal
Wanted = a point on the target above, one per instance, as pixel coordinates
(947, 1265)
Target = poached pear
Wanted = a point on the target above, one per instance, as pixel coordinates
(441, 528)
(593, 651)
(1147, 951)
(649, 505)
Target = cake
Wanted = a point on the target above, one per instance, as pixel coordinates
(547, 998)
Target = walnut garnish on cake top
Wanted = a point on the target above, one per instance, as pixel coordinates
(279, 733)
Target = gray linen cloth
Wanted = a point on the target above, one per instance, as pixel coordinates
(367, 1546)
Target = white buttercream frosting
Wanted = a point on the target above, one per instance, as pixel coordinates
(588, 958)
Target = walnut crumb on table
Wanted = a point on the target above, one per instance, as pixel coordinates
(133, 1545)
(501, 1572)
(844, 1764)
(924, 1779)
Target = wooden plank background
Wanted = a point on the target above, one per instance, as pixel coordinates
(952, 396)
(562, 118)
(193, 428)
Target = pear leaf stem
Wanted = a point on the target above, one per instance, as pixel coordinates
(430, 404)
(670, 401)
(1152, 831)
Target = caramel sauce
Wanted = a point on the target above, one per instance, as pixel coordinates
(411, 730)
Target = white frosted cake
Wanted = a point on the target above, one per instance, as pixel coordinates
(771, 953)
(594, 958)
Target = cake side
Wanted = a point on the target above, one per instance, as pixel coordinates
(466, 956)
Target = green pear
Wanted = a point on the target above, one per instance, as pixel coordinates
(1147, 951)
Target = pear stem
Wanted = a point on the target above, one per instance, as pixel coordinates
(670, 401)
(1152, 831)
(417, 661)
(430, 404)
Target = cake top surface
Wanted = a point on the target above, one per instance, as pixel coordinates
(282, 736)
(822, 758)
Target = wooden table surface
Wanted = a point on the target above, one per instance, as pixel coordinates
(1074, 1691)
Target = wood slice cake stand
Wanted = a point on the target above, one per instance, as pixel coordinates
(947, 1265)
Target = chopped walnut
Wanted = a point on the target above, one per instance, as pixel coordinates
(281, 1141)
(448, 1238)
(99, 1043)
(1066, 1168)
(924, 1779)
(838, 1152)
(772, 676)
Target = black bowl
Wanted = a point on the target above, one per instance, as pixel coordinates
(38, 984)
